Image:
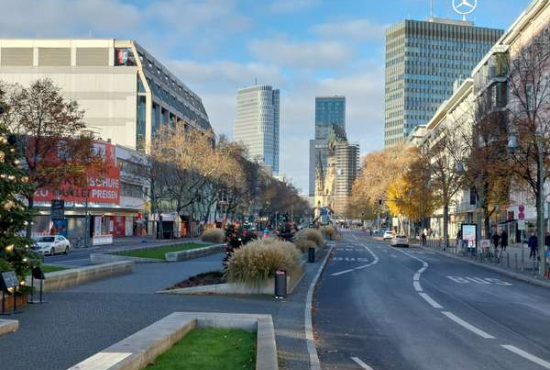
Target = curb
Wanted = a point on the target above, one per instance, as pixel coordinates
(314, 362)
(511, 274)
(8, 326)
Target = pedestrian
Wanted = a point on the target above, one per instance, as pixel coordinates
(423, 236)
(504, 240)
(459, 238)
(547, 240)
(496, 239)
(533, 245)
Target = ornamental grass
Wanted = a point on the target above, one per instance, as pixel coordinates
(329, 232)
(257, 261)
(311, 235)
(216, 236)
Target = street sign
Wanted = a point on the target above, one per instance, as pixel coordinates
(58, 209)
(521, 216)
(521, 224)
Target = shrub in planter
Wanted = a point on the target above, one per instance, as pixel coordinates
(304, 244)
(329, 232)
(312, 235)
(235, 238)
(286, 231)
(216, 236)
(258, 260)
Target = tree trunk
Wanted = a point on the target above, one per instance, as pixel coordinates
(446, 225)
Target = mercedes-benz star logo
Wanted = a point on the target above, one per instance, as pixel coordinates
(464, 7)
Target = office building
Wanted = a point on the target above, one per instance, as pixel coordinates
(125, 92)
(330, 113)
(423, 61)
(257, 124)
(347, 166)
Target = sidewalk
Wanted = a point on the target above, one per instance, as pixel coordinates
(514, 262)
(79, 322)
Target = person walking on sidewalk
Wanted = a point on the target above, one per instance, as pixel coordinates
(533, 245)
(496, 239)
(547, 240)
(504, 240)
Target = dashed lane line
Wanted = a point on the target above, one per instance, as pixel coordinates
(374, 262)
(361, 363)
(527, 355)
(468, 326)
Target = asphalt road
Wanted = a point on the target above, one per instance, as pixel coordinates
(381, 308)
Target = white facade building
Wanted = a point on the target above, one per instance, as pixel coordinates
(257, 124)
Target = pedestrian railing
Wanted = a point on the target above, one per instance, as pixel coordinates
(516, 260)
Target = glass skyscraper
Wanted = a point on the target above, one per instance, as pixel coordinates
(329, 111)
(257, 124)
(423, 60)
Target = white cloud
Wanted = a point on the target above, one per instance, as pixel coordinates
(66, 18)
(355, 29)
(301, 54)
(291, 6)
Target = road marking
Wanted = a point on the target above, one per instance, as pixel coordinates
(416, 276)
(431, 301)
(417, 286)
(478, 280)
(342, 272)
(361, 363)
(527, 356)
(468, 326)
(393, 255)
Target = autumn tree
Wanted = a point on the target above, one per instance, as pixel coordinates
(50, 129)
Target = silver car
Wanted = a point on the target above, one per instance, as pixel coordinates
(400, 241)
(51, 245)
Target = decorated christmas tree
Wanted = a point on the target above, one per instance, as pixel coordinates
(15, 253)
(236, 237)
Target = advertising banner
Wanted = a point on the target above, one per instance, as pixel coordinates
(469, 235)
(102, 187)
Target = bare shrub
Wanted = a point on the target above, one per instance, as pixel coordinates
(329, 232)
(312, 235)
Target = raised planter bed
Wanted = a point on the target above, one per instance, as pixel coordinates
(68, 278)
(21, 300)
(194, 253)
(8, 326)
(139, 350)
(264, 287)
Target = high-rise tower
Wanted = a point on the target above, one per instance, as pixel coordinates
(423, 60)
(257, 124)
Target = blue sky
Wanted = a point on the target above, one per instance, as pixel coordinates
(304, 47)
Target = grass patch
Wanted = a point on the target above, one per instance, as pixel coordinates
(159, 252)
(49, 268)
(210, 349)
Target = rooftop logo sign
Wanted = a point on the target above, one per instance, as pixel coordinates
(464, 7)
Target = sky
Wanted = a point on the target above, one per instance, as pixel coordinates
(305, 48)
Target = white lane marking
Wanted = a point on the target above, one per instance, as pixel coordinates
(315, 363)
(478, 280)
(342, 272)
(393, 255)
(527, 356)
(417, 286)
(430, 300)
(416, 276)
(468, 326)
(361, 363)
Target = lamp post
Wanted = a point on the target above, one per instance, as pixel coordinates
(512, 146)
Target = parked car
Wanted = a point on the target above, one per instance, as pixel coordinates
(51, 244)
(400, 241)
(388, 235)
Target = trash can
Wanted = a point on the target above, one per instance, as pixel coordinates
(280, 284)
(311, 255)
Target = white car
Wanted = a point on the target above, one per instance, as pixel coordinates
(400, 241)
(388, 235)
(51, 244)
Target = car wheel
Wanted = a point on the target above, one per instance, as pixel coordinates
(66, 251)
(52, 251)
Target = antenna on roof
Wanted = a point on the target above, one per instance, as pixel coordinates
(255, 81)
(431, 9)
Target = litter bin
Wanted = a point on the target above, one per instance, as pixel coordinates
(280, 284)
(311, 255)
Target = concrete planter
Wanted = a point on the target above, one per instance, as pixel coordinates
(8, 326)
(69, 278)
(194, 253)
(264, 287)
(100, 258)
(140, 349)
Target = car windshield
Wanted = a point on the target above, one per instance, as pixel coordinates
(45, 239)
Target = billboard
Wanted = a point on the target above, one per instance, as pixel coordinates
(469, 235)
(102, 187)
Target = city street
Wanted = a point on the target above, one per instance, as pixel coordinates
(382, 308)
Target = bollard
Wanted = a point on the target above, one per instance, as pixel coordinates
(516, 258)
(311, 255)
(508, 259)
(280, 284)
(522, 259)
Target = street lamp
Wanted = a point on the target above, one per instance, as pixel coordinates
(512, 147)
